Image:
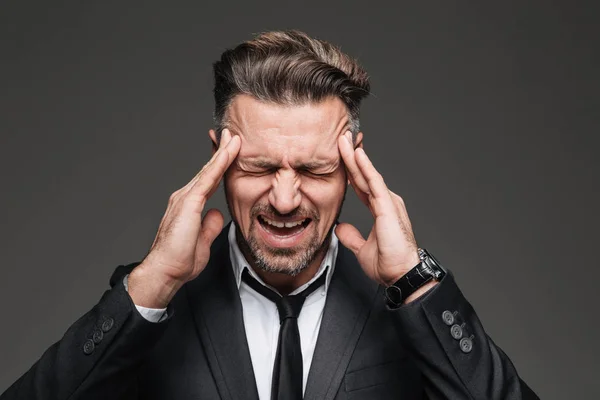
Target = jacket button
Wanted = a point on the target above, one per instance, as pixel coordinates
(107, 324)
(97, 336)
(448, 317)
(466, 345)
(456, 331)
(88, 347)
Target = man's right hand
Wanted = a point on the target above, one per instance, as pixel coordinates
(181, 248)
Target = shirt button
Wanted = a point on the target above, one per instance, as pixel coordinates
(88, 347)
(97, 336)
(456, 331)
(466, 345)
(107, 324)
(448, 317)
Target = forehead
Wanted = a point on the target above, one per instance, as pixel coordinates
(283, 133)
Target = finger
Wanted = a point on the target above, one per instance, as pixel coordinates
(362, 196)
(225, 139)
(376, 185)
(380, 199)
(354, 174)
(211, 226)
(350, 237)
(212, 174)
(355, 177)
(223, 142)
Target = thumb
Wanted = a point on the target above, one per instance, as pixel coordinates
(211, 226)
(350, 237)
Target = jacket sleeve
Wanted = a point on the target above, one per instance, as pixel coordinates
(98, 356)
(455, 355)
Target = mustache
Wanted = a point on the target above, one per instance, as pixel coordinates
(269, 210)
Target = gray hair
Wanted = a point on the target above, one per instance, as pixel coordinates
(288, 68)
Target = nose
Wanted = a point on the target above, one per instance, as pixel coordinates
(285, 194)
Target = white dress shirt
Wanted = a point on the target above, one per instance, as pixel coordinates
(261, 318)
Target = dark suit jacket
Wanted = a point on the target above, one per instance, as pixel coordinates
(364, 350)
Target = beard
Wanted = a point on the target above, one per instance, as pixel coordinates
(289, 261)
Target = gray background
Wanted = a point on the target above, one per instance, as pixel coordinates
(484, 118)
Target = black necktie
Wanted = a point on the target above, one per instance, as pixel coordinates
(287, 370)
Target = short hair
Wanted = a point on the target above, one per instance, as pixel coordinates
(288, 68)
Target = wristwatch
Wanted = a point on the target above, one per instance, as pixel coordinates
(426, 270)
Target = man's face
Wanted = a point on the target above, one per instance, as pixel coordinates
(286, 187)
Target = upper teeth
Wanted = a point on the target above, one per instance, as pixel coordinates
(282, 224)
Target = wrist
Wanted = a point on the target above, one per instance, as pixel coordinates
(151, 289)
(415, 282)
(420, 291)
(407, 266)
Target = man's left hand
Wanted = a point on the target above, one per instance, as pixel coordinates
(390, 251)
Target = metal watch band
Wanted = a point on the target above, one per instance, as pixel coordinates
(410, 282)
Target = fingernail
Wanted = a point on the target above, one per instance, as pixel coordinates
(349, 137)
(226, 136)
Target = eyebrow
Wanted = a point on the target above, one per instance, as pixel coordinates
(261, 163)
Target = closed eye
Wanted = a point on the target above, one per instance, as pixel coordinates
(316, 173)
(256, 168)
(260, 172)
(273, 170)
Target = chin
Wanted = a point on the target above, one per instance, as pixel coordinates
(289, 264)
(290, 261)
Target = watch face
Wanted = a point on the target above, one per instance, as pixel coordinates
(433, 265)
(434, 260)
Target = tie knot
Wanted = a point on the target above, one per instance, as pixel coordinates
(289, 306)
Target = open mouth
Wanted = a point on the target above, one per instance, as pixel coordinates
(281, 228)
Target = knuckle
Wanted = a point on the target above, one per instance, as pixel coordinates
(173, 197)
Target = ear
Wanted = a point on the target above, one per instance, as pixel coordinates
(358, 142)
(213, 137)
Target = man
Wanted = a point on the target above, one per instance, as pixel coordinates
(284, 302)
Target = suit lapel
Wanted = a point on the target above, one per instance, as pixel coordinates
(217, 310)
(350, 297)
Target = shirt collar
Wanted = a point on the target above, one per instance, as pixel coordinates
(239, 263)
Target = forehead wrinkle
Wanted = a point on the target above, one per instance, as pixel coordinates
(269, 139)
(300, 154)
(328, 122)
